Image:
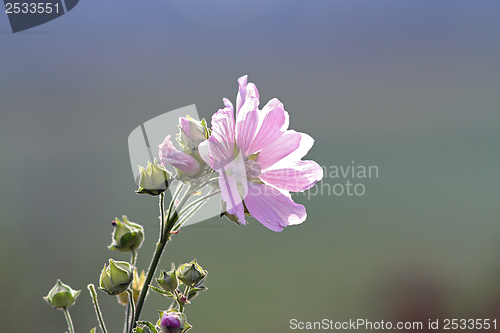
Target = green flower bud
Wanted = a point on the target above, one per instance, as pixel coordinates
(191, 274)
(116, 277)
(127, 236)
(61, 296)
(154, 179)
(168, 281)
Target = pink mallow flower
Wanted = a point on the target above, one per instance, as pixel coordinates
(259, 160)
(180, 160)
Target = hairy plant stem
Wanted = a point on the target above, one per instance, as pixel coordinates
(169, 222)
(186, 295)
(127, 317)
(98, 313)
(133, 259)
(69, 321)
(195, 202)
(132, 305)
(162, 215)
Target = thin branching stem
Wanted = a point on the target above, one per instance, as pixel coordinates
(195, 202)
(98, 313)
(69, 321)
(173, 217)
(132, 307)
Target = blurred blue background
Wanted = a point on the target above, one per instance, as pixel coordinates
(408, 86)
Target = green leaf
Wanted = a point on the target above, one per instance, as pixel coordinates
(161, 292)
(92, 330)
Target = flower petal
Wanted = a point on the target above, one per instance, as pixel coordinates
(231, 186)
(272, 208)
(297, 177)
(278, 149)
(247, 120)
(273, 121)
(242, 92)
(217, 151)
(289, 148)
(182, 161)
(228, 104)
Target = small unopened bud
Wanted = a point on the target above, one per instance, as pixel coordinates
(186, 165)
(193, 132)
(168, 281)
(116, 277)
(154, 179)
(191, 274)
(173, 321)
(127, 236)
(61, 296)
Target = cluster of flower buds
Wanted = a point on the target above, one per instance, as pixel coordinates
(191, 275)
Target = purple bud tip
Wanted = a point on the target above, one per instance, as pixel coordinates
(170, 320)
(184, 123)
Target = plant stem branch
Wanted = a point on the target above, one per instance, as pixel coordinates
(162, 215)
(131, 302)
(127, 317)
(134, 257)
(163, 240)
(210, 181)
(174, 197)
(211, 194)
(98, 313)
(69, 321)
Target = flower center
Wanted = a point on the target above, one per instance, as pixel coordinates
(252, 169)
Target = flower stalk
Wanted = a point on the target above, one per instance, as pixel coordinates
(160, 246)
(98, 313)
(132, 307)
(69, 321)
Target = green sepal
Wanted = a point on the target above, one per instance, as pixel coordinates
(193, 292)
(209, 131)
(253, 157)
(147, 327)
(161, 292)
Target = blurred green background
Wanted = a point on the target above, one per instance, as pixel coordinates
(408, 86)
